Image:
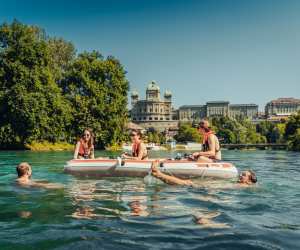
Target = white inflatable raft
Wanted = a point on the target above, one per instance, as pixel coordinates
(133, 168)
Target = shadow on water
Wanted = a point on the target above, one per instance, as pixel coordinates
(124, 213)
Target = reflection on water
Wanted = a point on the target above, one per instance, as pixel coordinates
(125, 213)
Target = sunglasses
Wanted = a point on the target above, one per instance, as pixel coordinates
(87, 135)
(133, 135)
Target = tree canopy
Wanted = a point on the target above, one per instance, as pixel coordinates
(47, 93)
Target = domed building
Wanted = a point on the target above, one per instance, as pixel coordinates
(153, 111)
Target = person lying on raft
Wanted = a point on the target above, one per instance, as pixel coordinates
(139, 150)
(246, 178)
(85, 146)
(24, 178)
(211, 147)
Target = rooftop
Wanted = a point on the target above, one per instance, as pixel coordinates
(191, 106)
(243, 105)
(153, 86)
(285, 100)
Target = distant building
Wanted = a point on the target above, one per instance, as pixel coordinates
(191, 112)
(217, 108)
(282, 107)
(153, 112)
(243, 110)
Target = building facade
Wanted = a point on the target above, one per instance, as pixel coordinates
(192, 113)
(282, 107)
(217, 108)
(249, 111)
(153, 112)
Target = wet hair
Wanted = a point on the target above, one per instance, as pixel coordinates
(253, 177)
(91, 140)
(22, 169)
(138, 132)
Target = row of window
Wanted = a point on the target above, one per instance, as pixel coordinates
(150, 119)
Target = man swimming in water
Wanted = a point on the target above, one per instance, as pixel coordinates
(246, 178)
(24, 178)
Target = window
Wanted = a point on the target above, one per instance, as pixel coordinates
(150, 118)
(156, 118)
(145, 118)
(161, 118)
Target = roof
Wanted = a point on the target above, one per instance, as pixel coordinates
(134, 93)
(285, 100)
(168, 93)
(218, 102)
(191, 106)
(153, 86)
(131, 125)
(243, 105)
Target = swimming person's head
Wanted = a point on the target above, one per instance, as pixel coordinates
(24, 169)
(247, 177)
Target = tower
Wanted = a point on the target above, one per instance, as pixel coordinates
(153, 92)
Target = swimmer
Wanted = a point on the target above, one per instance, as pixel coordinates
(24, 178)
(246, 178)
(205, 220)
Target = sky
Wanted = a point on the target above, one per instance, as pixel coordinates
(202, 50)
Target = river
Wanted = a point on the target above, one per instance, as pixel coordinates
(125, 213)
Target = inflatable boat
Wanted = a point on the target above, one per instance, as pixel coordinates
(135, 168)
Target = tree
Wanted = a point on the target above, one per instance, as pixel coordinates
(32, 106)
(292, 132)
(97, 89)
(187, 133)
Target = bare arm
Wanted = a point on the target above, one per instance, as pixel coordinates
(76, 150)
(172, 180)
(140, 154)
(92, 153)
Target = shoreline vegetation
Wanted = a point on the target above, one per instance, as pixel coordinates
(49, 94)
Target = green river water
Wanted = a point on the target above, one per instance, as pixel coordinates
(125, 213)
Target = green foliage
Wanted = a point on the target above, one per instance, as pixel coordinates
(49, 94)
(187, 133)
(233, 131)
(97, 89)
(292, 132)
(156, 137)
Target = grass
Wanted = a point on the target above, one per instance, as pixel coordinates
(48, 146)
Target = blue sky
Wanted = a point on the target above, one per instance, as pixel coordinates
(236, 50)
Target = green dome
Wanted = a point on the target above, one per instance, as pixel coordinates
(134, 93)
(168, 93)
(153, 86)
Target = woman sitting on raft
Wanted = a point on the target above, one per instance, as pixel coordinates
(85, 146)
(139, 150)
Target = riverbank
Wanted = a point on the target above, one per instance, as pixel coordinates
(48, 146)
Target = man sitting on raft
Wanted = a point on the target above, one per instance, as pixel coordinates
(139, 150)
(211, 147)
(85, 146)
(24, 178)
(246, 178)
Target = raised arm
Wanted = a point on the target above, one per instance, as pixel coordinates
(76, 150)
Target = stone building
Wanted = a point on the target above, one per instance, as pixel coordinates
(282, 107)
(153, 112)
(191, 112)
(243, 110)
(217, 108)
